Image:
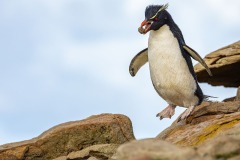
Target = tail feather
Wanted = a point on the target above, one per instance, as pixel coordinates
(206, 97)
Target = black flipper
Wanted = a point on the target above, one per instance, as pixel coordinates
(197, 57)
(138, 61)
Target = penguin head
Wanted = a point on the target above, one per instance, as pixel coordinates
(155, 17)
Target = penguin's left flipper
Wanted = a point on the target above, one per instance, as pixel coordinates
(138, 61)
(197, 57)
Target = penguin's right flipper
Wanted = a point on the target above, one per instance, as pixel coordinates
(197, 57)
(138, 61)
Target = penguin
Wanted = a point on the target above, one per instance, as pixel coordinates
(170, 64)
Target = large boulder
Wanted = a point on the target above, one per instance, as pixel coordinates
(99, 131)
(225, 66)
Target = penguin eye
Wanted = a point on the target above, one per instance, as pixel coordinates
(156, 19)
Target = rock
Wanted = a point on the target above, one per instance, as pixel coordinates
(206, 122)
(152, 149)
(15, 153)
(101, 151)
(92, 158)
(212, 132)
(71, 137)
(229, 99)
(95, 152)
(225, 66)
(236, 98)
(238, 95)
(61, 158)
(223, 146)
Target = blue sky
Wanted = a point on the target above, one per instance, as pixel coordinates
(64, 60)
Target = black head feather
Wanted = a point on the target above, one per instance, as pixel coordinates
(151, 10)
(157, 15)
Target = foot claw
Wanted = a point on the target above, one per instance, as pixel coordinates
(168, 112)
(186, 113)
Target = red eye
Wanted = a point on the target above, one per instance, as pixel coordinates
(156, 19)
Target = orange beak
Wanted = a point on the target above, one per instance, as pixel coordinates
(145, 26)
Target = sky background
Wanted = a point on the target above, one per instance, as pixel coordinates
(65, 60)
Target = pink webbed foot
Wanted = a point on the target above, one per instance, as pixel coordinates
(186, 113)
(168, 112)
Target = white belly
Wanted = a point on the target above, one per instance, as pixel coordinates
(169, 71)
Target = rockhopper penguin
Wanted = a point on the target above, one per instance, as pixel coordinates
(170, 64)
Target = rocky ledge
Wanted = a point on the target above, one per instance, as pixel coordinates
(206, 121)
(225, 66)
(212, 132)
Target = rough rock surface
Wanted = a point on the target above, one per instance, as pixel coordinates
(225, 66)
(225, 146)
(71, 137)
(153, 149)
(207, 121)
(212, 132)
(95, 152)
(102, 151)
